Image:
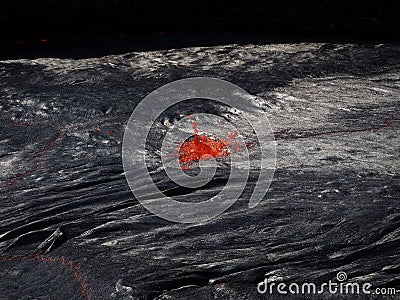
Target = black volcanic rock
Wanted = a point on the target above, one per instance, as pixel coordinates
(70, 227)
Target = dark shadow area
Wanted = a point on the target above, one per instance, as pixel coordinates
(83, 28)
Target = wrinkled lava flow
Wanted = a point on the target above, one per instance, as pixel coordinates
(205, 147)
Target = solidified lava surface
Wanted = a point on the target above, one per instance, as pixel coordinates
(70, 227)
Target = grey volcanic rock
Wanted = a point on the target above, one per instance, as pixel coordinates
(70, 227)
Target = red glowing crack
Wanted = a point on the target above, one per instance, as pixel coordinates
(74, 268)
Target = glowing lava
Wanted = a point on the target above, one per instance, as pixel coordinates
(201, 145)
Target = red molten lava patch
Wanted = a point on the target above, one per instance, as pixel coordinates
(203, 146)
